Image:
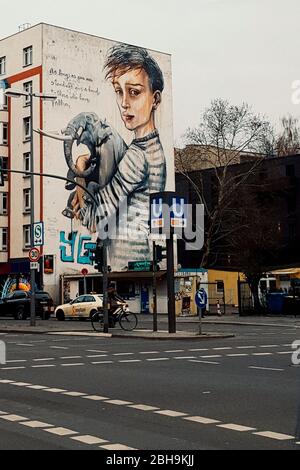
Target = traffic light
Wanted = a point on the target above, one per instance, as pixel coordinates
(1, 172)
(96, 256)
(160, 253)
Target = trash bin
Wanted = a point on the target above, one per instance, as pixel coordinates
(275, 302)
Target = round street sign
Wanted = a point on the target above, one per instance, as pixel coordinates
(34, 254)
(84, 271)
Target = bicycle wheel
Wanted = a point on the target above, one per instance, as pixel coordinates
(97, 321)
(128, 321)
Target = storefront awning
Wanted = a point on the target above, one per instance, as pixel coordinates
(286, 271)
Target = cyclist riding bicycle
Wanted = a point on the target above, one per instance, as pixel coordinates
(114, 302)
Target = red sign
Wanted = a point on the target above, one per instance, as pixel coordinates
(84, 271)
(34, 254)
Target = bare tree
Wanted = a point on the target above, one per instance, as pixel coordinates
(288, 142)
(226, 135)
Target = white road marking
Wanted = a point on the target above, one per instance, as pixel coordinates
(55, 390)
(96, 350)
(6, 381)
(235, 427)
(210, 356)
(13, 418)
(264, 368)
(36, 424)
(117, 447)
(70, 357)
(36, 387)
(72, 365)
(74, 394)
(143, 407)
(149, 352)
(202, 420)
(95, 397)
(246, 347)
(25, 344)
(20, 384)
(61, 431)
(158, 359)
(173, 414)
(102, 362)
(44, 359)
(58, 347)
(12, 368)
(119, 402)
(262, 354)
(274, 435)
(203, 362)
(97, 355)
(184, 357)
(288, 344)
(269, 346)
(283, 352)
(123, 354)
(220, 349)
(87, 439)
(44, 365)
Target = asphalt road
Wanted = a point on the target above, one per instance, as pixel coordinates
(67, 392)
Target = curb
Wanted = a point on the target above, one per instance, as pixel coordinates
(279, 325)
(173, 336)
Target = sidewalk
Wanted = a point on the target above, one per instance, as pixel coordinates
(79, 328)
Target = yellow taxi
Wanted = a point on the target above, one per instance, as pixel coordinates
(82, 307)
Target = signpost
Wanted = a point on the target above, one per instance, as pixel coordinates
(140, 265)
(38, 234)
(167, 213)
(201, 300)
(84, 272)
(34, 254)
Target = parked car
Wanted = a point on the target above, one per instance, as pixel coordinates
(82, 307)
(17, 303)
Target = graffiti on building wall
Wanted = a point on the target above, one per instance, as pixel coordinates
(113, 171)
(75, 247)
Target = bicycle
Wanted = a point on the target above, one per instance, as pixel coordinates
(126, 319)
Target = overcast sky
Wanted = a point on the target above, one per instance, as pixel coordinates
(241, 50)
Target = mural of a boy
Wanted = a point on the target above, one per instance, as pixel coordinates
(138, 83)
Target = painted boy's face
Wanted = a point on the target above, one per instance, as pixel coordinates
(136, 101)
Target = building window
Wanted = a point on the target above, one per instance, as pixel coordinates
(2, 65)
(27, 87)
(220, 287)
(3, 101)
(4, 167)
(26, 162)
(3, 239)
(26, 236)
(3, 133)
(26, 200)
(27, 128)
(27, 56)
(3, 203)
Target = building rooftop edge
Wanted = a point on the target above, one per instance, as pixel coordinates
(81, 32)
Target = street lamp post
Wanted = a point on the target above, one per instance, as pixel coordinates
(18, 94)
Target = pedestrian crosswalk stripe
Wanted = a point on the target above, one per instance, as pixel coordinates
(236, 427)
(61, 431)
(117, 447)
(87, 439)
(274, 435)
(202, 420)
(95, 397)
(119, 402)
(13, 417)
(173, 414)
(36, 424)
(143, 407)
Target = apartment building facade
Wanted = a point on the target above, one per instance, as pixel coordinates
(69, 65)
